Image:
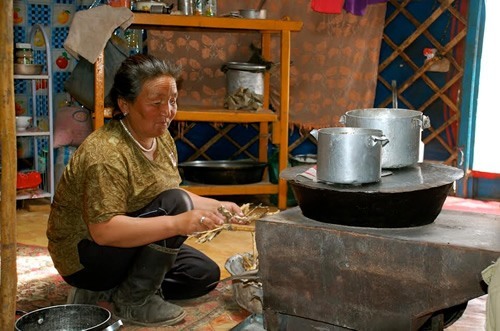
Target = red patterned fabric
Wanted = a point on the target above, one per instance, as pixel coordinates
(334, 60)
(327, 6)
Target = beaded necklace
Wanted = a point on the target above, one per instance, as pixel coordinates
(146, 150)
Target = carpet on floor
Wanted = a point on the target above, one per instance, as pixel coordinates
(471, 205)
(40, 286)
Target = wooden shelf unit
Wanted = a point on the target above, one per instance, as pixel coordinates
(278, 120)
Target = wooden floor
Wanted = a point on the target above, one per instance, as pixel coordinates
(31, 226)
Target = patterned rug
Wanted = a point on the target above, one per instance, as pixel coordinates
(39, 286)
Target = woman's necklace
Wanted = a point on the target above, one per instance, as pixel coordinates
(146, 150)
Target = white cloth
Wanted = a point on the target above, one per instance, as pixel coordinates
(491, 276)
(310, 173)
(91, 29)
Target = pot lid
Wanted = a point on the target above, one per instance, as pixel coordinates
(421, 176)
(378, 113)
(245, 66)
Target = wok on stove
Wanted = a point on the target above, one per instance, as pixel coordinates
(410, 196)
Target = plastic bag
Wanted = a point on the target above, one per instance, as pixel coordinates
(80, 85)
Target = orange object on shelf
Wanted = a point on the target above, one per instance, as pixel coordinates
(119, 3)
(28, 180)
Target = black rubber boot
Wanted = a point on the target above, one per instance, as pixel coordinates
(88, 297)
(137, 300)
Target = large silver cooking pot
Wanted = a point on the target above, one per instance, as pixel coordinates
(403, 127)
(349, 155)
(244, 75)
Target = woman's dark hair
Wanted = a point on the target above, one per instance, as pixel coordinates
(133, 73)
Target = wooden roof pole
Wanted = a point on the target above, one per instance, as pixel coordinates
(8, 280)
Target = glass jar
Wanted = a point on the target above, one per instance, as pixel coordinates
(24, 53)
(210, 8)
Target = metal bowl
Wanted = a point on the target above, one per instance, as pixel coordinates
(303, 159)
(247, 293)
(253, 13)
(27, 69)
(223, 172)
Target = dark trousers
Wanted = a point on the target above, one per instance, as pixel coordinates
(105, 267)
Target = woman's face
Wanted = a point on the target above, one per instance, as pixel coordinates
(154, 108)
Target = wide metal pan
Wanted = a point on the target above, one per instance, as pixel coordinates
(223, 172)
(410, 196)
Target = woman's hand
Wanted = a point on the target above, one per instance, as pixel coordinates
(201, 220)
(203, 203)
(229, 210)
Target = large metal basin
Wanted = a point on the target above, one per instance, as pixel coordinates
(223, 172)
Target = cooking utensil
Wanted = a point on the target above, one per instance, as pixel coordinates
(411, 196)
(70, 317)
(403, 127)
(223, 172)
(349, 155)
(394, 94)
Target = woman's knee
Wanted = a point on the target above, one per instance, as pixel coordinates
(183, 199)
(175, 201)
(169, 202)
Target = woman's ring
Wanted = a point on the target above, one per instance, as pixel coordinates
(202, 219)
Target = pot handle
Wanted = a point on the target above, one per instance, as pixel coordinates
(342, 119)
(115, 326)
(423, 123)
(314, 133)
(426, 122)
(383, 140)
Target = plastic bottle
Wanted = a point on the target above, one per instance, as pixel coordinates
(134, 40)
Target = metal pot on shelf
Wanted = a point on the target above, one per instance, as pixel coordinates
(244, 75)
(349, 155)
(403, 127)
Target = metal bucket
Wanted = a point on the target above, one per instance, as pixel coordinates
(403, 127)
(244, 75)
(349, 155)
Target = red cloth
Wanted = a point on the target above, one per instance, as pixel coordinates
(327, 6)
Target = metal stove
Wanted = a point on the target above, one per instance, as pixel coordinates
(324, 276)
